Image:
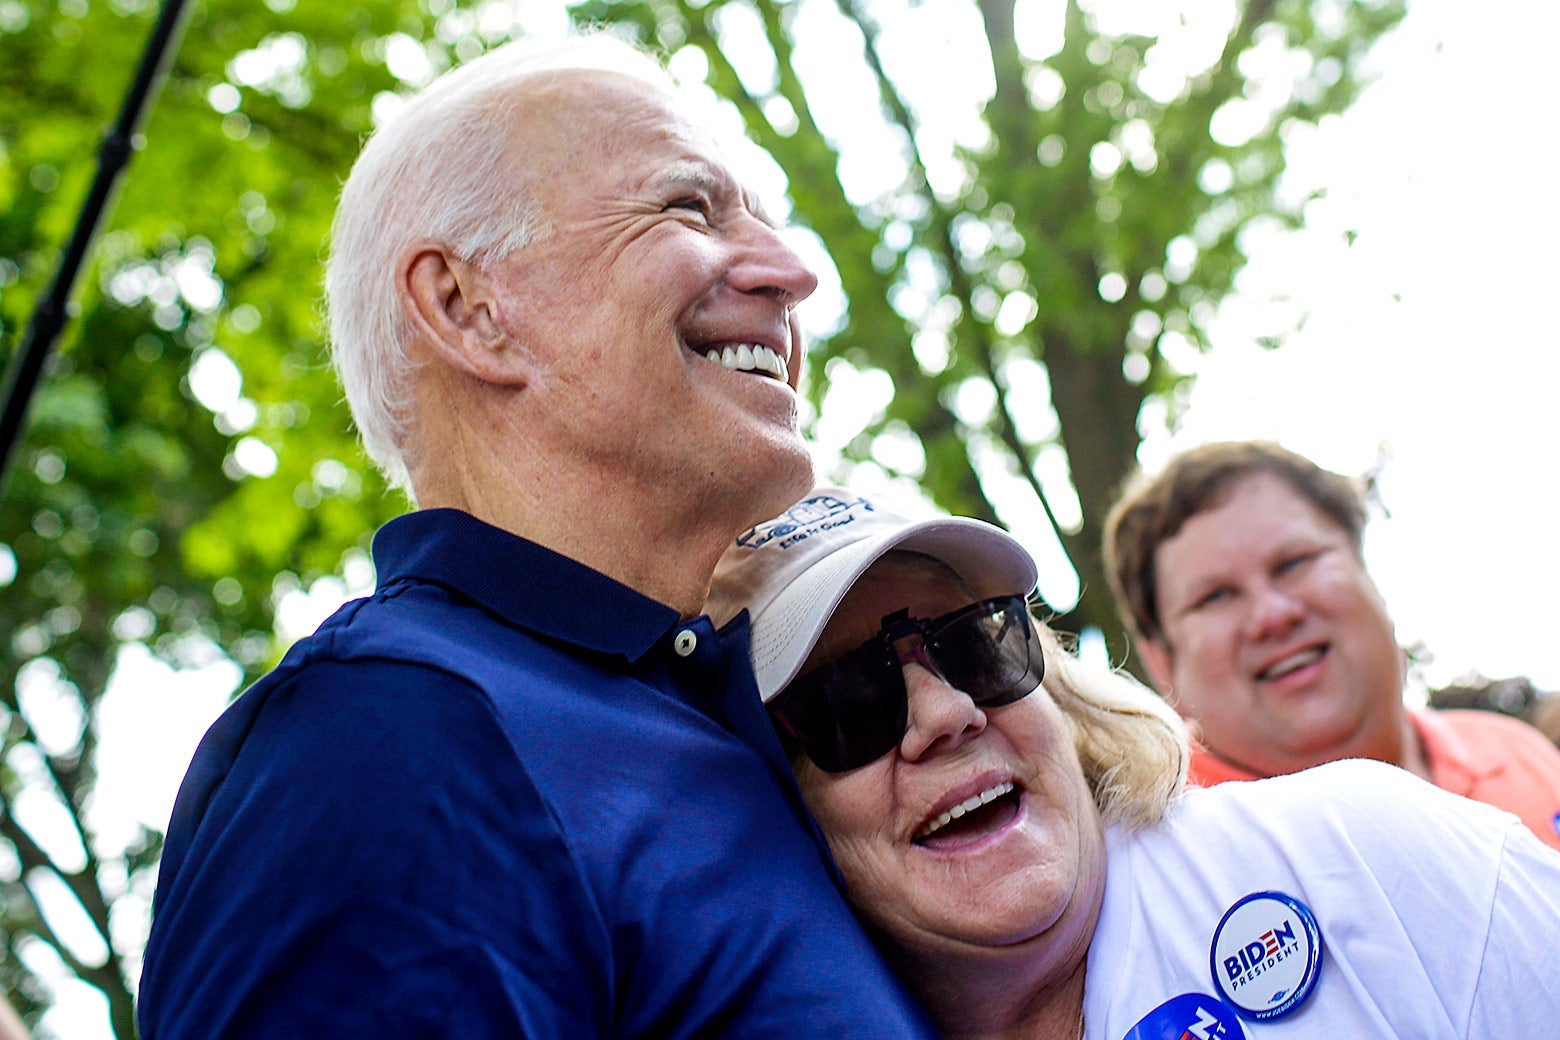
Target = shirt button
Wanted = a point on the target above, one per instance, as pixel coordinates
(685, 643)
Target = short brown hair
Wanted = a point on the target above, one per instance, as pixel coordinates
(1152, 510)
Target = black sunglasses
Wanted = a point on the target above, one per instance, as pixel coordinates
(854, 710)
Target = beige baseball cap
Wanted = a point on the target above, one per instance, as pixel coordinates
(791, 572)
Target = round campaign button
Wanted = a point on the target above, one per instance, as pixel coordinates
(1190, 1016)
(1266, 955)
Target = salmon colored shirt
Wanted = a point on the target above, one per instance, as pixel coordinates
(1482, 755)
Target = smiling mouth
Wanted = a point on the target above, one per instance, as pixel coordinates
(1293, 663)
(973, 818)
(750, 357)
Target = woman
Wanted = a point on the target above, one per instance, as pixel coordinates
(1027, 857)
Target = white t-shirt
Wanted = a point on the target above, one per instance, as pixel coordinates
(1438, 917)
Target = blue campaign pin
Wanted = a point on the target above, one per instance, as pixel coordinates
(1555, 823)
(1191, 1016)
(1266, 955)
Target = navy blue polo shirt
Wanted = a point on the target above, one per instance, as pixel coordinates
(504, 796)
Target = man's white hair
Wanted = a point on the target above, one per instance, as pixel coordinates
(443, 167)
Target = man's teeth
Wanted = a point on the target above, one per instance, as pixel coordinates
(974, 801)
(750, 357)
(1293, 662)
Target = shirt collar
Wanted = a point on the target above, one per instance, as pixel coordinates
(527, 584)
(1455, 764)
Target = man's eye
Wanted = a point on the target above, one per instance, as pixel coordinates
(1211, 597)
(1289, 563)
(693, 203)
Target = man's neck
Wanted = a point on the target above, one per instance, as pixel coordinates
(489, 453)
(661, 542)
(1415, 758)
(1407, 751)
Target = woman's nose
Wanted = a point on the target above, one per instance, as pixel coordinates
(941, 717)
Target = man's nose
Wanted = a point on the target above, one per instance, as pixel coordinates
(1274, 612)
(767, 265)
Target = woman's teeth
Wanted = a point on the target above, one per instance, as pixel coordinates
(974, 801)
(750, 357)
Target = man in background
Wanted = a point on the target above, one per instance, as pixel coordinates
(525, 789)
(1239, 570)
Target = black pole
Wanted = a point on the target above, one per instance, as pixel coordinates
(113, 155)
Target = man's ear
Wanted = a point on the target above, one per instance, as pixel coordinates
(453, 306)
(1159, 661)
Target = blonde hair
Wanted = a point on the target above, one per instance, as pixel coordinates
(1132, 745)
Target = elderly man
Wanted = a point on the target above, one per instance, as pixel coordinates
(1239, 570)
(525, 788)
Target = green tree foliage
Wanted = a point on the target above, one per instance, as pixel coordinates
(1051, 263)
(1025, 281)
(155, 499)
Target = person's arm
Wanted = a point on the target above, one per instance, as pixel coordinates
(372, 861)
